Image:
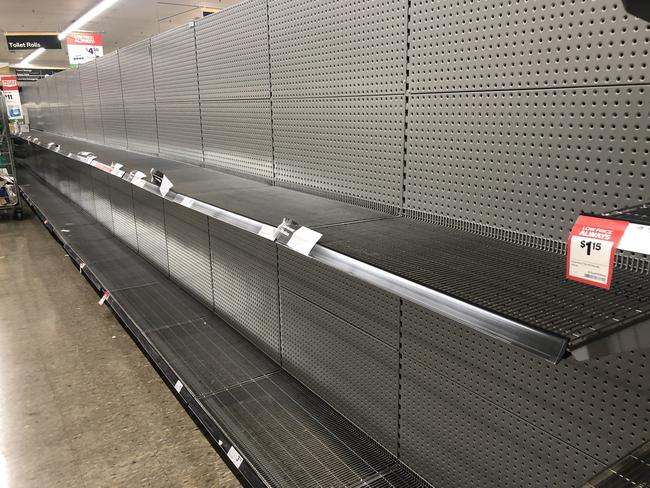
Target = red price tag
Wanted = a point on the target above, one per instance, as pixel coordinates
(591, 249)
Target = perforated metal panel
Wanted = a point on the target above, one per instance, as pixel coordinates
(102, 197)
(48, 94)
(188, 248)
(351, 370)
(232, 51)
(89, 83)
(245, 280)
(602, 407)
(150, 227)
(495, 45)
(136, 72)
(337, 48)
(365, 306)
(527, 161)
(174, 65)
(179, 131)
(141, 127)
(123, 214)
(76, 104)
(65, 121)
(54, 105)
(454, 438)
(237, 136)
(86, 196)
(70, 184)
(93, 123)
(349, 146)
(112, 105)
(138, 93)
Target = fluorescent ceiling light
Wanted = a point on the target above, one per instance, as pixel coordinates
(31, 57)
(87, 17)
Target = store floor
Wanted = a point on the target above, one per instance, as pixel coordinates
(80, 406)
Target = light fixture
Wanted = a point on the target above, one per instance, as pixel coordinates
(87, 17)
(31, 57)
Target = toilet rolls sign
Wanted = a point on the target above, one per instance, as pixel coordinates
(83, 47)
(32, 40)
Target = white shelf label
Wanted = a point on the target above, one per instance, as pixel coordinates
(139, 182)
(187, 202)
(636, 238)
(235, 457)
(178, 386)
(165, 186)
(303, 240)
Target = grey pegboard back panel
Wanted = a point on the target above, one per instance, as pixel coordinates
(137, 73)
(349, 369)
(86, 196)
(527, 161)
(368, 308)
(114, 124)
(61, 102)
(188, 249)
(123, 214)
(93, 123)
(102, 196)
(173, 55)
(612, 387)
(179, 131)
(76, 104)
(150, 228)
(78, 122)
(352, 146)
(237, 136)
(245, 282)
(455, 438)
(337, 48)
(232, 50)
(141, 127)
(112, 104)
(89, 83)
(108, 75)
(492, 45)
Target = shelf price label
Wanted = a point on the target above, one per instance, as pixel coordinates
(591, 249)
(235, 457)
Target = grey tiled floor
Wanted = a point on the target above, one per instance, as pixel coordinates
(80, 406)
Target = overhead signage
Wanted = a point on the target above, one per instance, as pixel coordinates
(83, 47)
(32, 40)
(591, 249)
(12, 97)
(34, 74)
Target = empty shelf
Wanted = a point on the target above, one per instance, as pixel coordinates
(517, 282)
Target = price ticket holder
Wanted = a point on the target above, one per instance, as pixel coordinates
(593, 242)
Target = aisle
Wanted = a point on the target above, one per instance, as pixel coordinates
(80, 406)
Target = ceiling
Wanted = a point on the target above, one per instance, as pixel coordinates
(124, 23)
